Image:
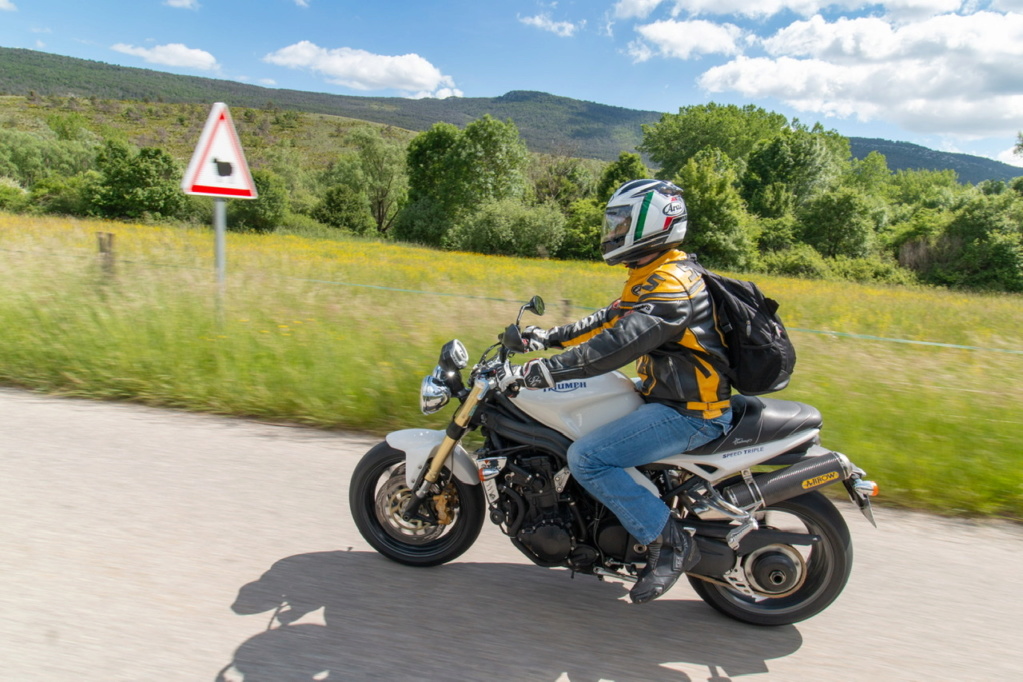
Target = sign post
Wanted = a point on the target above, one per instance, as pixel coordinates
(218, 169)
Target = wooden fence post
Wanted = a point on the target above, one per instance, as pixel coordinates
(106, 253)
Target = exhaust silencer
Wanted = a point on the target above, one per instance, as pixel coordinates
(782, 484)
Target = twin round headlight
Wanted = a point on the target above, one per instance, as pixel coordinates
(434, 392)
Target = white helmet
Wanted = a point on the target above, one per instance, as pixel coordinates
(642, 217)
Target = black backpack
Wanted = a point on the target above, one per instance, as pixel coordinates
(760, 355)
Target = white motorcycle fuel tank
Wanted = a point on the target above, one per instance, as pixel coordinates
(576, 407)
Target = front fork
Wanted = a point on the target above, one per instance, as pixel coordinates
(454, 433)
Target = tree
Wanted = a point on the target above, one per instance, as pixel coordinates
(870, 175)
(453, 173)
(267, 211)
(788, 170)
(676, 138)
(28, 157)
(838, 223)
(628, 167)
(136, 184)
(345, 207)
(385, 183)
(287, 163)
(560, 179)
(493, 161)
(918, 189)
(718, 224)
(427, 158)
(990, 231)
(582, 230)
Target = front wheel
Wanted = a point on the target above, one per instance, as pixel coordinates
(379, 492)
(783, 584)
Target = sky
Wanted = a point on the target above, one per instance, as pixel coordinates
(945, 74)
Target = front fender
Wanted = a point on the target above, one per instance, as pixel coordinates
(419, 444)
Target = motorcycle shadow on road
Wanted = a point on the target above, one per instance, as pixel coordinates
(470, 621)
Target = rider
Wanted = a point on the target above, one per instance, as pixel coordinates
(664, 321)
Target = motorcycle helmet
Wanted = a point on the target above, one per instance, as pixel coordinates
(642, 217)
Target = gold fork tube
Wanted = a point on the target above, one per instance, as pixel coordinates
(461, 419)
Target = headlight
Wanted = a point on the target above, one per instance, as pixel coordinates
(453, 356)
(433, 394)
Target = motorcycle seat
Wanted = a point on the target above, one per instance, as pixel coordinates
(758, 420)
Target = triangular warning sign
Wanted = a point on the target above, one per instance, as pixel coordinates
(218, 167)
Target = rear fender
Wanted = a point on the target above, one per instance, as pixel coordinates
(419, 444)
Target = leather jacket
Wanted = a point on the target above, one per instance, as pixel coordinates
(664, 321)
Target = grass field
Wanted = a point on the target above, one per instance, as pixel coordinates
(338, 334)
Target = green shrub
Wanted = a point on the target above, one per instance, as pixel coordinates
(137, 183)
(582, 231)
(776, 234)
(508, 227)
(265, 213)
(423, 221)
(799, 261)
(345, 207)
(871, 269)
(838, 222)
(12, 196)
(66, 195)
(302, 225)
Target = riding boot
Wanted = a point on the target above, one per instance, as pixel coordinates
(669, 556)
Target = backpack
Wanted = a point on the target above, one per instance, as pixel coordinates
(760, 355)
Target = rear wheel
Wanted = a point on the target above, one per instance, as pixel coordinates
(783, 584)
(379, 492)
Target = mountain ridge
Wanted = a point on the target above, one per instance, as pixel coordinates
(547, 123)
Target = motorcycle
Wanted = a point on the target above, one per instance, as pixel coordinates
(774, 549)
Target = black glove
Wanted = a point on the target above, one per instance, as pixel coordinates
(535, 339)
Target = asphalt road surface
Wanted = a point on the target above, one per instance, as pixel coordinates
(143, 544)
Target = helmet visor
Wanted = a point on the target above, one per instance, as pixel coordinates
(617, 223)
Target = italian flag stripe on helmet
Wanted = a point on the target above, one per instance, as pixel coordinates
(642, 216)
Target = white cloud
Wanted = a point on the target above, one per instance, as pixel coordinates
(762, 8)
(683, 39)
(183, 4)
(899, 9)
(920, 96)
(950, 74)
(640, 9)
(565, 29)
(7, 5)
(173, 54)
(806, 8)
(1010, 157)
(363, 70)
(978, 37)
(302, 3)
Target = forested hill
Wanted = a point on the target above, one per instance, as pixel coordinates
(547, 123)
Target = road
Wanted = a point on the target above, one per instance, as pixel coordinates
(145, 544)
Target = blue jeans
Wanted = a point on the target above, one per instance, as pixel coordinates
(598, 461)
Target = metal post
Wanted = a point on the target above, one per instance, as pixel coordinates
(220, 226)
